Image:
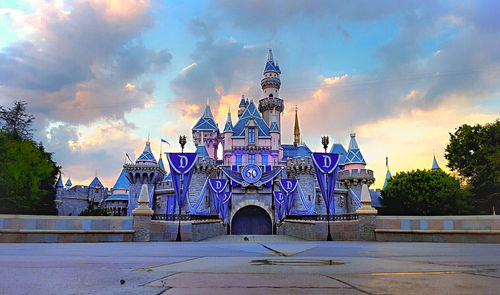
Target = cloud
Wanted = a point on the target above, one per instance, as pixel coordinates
(222, 67)
(72, 55)
(411, 137)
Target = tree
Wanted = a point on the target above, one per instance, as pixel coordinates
(16, 120)
(424, 192)
(27, 172)
(474, 152)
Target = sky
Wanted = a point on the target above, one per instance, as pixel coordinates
(101, 76)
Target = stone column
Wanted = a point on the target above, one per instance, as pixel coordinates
(142, 217)
(367, 216)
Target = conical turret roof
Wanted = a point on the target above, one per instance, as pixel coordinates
(146, 156)
(270, 65)
(122, 181)
(59, 182)
(354, 155)
(206, 122)
(435, 165)
(229, 123)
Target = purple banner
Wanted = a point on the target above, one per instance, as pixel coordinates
(181, 167)
(279, 199)
(218, 185)
(224, 205)
(219, 197)
(326, 168)
(288, 187)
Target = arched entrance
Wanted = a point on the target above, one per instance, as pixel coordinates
(251, 220)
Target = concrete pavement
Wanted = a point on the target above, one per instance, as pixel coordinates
(261, 265)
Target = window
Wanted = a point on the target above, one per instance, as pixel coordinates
(264, 160)
(238, 159)
(251, 135)
(251, 159)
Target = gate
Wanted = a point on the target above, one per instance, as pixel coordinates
(251, 220)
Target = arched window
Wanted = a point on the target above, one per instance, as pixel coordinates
(270, 95)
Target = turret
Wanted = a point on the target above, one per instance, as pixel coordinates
(435, 165)
(354, 159)
(206, 132)
(271, 104)
(228, 140)
(243, 106)
(145, 170)
(388, 173)
(68, 183)
(274, 131)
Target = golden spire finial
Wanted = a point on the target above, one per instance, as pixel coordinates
(296, 131)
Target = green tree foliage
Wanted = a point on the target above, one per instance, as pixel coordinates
(424, 192)
(16, 120)
(27, 172)
(91, 211)
(474, 152)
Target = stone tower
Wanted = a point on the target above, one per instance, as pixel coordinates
(271, 104)
(145, 170)
(355, 173)
(206, 132)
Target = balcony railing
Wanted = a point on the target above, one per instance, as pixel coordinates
(184, 217)
(323, 217)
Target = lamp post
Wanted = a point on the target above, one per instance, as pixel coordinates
(325, 141)
(182, 142)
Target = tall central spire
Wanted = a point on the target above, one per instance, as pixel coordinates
(296, 130)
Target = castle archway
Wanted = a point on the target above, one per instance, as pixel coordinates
(251, 220)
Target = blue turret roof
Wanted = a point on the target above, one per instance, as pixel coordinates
(160, 163)
(337, 148)
(147, 155)
(118, 197)
(122, 181)
(270, 65)
(68, 182)
(168, 177)
(354, 155)
(206, 122)
(251, 111)
(243, 102)
(95, 182)
(435, 165)
(201, 151)
(290, 151)
(59, 182)
(229, 123)
(387, 176)
(274, 126)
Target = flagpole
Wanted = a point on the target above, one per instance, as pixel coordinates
(329, 237)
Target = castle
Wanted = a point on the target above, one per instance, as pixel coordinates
(255, 138)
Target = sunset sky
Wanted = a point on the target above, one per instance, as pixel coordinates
(100, 75)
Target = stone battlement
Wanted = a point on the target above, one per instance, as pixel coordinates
(356, 177)
(300, 165)
(205, 165)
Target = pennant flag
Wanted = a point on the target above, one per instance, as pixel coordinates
(288, 187)
(128, 157)
(181, 167)
(224, 205)
(279, 199)
(217, 187)
(326, 168)
(163, 140)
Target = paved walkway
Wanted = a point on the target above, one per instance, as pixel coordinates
(261, 265)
